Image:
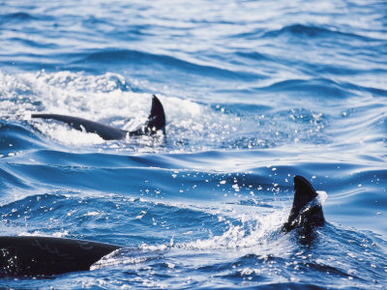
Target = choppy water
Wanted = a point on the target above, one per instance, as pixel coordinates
(254, 93)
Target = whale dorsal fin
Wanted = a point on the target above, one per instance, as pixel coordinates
(306, 211)
(155, 122)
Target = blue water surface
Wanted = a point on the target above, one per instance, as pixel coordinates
(254, 92)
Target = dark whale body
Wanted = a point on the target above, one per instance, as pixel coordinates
(155, 122)
(40, 256)
(44, 256)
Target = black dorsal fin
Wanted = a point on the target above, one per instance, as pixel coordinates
(305, 211)
(156, 120)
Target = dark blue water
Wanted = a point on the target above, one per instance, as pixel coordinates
(254, 93)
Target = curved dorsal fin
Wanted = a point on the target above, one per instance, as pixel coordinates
(155, 122)
(300, 214)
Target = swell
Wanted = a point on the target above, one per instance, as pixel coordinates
(134, 57)
(86, 213)
(303, 32)
(17, 137)
(34, 44)
(319, 87)
(16, 17)
(314, 32)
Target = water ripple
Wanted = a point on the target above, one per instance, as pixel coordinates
(254, 93)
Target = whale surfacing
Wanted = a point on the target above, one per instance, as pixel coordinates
(45, 256)
(155, 122)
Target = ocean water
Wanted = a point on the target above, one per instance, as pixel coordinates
(254, 93)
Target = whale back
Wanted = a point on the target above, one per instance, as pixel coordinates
(155, 122)
(41, 256)
(105, 131)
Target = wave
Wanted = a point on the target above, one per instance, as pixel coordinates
(305, 32)
(314, 88)
(133, 57)
(254, 93)
(296, 117)
(16, 17)
(309, 32)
